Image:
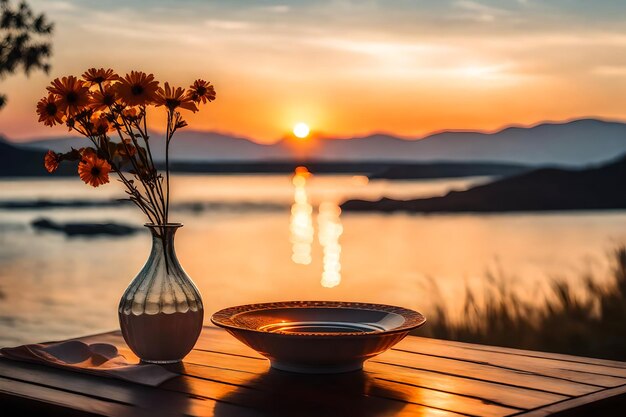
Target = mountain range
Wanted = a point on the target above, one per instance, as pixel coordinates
(576, 142)
(22, 162)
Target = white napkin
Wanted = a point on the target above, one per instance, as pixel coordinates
(98, 358)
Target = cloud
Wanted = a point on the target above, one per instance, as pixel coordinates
(478, 11)
(227, 24)
(610, 70)
(61, 6)
(378, 48)
(279, 8)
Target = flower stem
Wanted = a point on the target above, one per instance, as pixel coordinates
(167, 164)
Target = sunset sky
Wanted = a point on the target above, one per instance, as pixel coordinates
(348, 67)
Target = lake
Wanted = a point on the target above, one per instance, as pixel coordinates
(256, 238)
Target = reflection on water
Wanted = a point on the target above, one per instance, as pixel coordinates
(302, 231)
(330, 229)
(301, 225)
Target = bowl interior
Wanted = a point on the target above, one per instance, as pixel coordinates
(318, 320)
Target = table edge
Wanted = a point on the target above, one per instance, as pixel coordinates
(575, 405)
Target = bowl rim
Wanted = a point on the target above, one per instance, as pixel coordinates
(412, 319)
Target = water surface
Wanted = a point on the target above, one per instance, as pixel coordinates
(299, 246)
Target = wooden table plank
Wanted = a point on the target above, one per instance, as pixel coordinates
(359, 383)
(489, 392)
(484, 391)
(218, 341)
(29, 396)
(609, 402)
(113, 391)
(275, 393)
(530, 376)
(256, 376)
(409, 342)
(488, 366)
(227, 384)
(493, 393)
(420, 377)
(567, 369)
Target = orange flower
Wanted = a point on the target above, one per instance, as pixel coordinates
(102, 100)
(137, 88)
(99, 76)
(173, 98)
(48, 111)
(72, 94)
(87, 153)
(130, 113)
(202, 91)
(100, 124)
(93, 170)
(51, 161)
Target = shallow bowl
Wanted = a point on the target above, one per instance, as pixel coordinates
(318, 336)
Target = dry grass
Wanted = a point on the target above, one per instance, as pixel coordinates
(589, 324)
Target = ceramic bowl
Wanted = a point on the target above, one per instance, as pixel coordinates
(318, 336)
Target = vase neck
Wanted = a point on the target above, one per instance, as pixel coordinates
(163, 242)
(162, 286)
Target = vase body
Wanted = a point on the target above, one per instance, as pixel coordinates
(161, 312)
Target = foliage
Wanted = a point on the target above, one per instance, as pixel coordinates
(23, 40)
(589, 324)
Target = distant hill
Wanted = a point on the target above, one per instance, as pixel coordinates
(547, 189)
(577, 142)
(18, 161)
(187, 145)
(447, 170)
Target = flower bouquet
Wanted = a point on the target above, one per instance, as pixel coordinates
(161, 312)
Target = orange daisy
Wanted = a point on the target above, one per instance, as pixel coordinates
(100, 124)
(175, 97)
(93, 170)
(48, 111)
(130, 113)
(102, 100)
(202, 91)
(51, 161)
(72, 94)
(87, 153)
(137, 88)
(99, 76)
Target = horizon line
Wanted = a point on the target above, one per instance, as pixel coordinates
(494, 131)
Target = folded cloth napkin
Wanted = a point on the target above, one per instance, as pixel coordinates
(98, 358)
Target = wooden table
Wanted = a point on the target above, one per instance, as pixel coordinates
(419, 377)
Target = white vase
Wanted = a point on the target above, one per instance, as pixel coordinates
(161, 311)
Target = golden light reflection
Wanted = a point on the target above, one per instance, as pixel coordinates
(330, 229)
(301, 224)
(302, 230)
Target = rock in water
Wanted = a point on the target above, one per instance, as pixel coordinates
(85, 229)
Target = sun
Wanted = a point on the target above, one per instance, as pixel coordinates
(301, 130)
